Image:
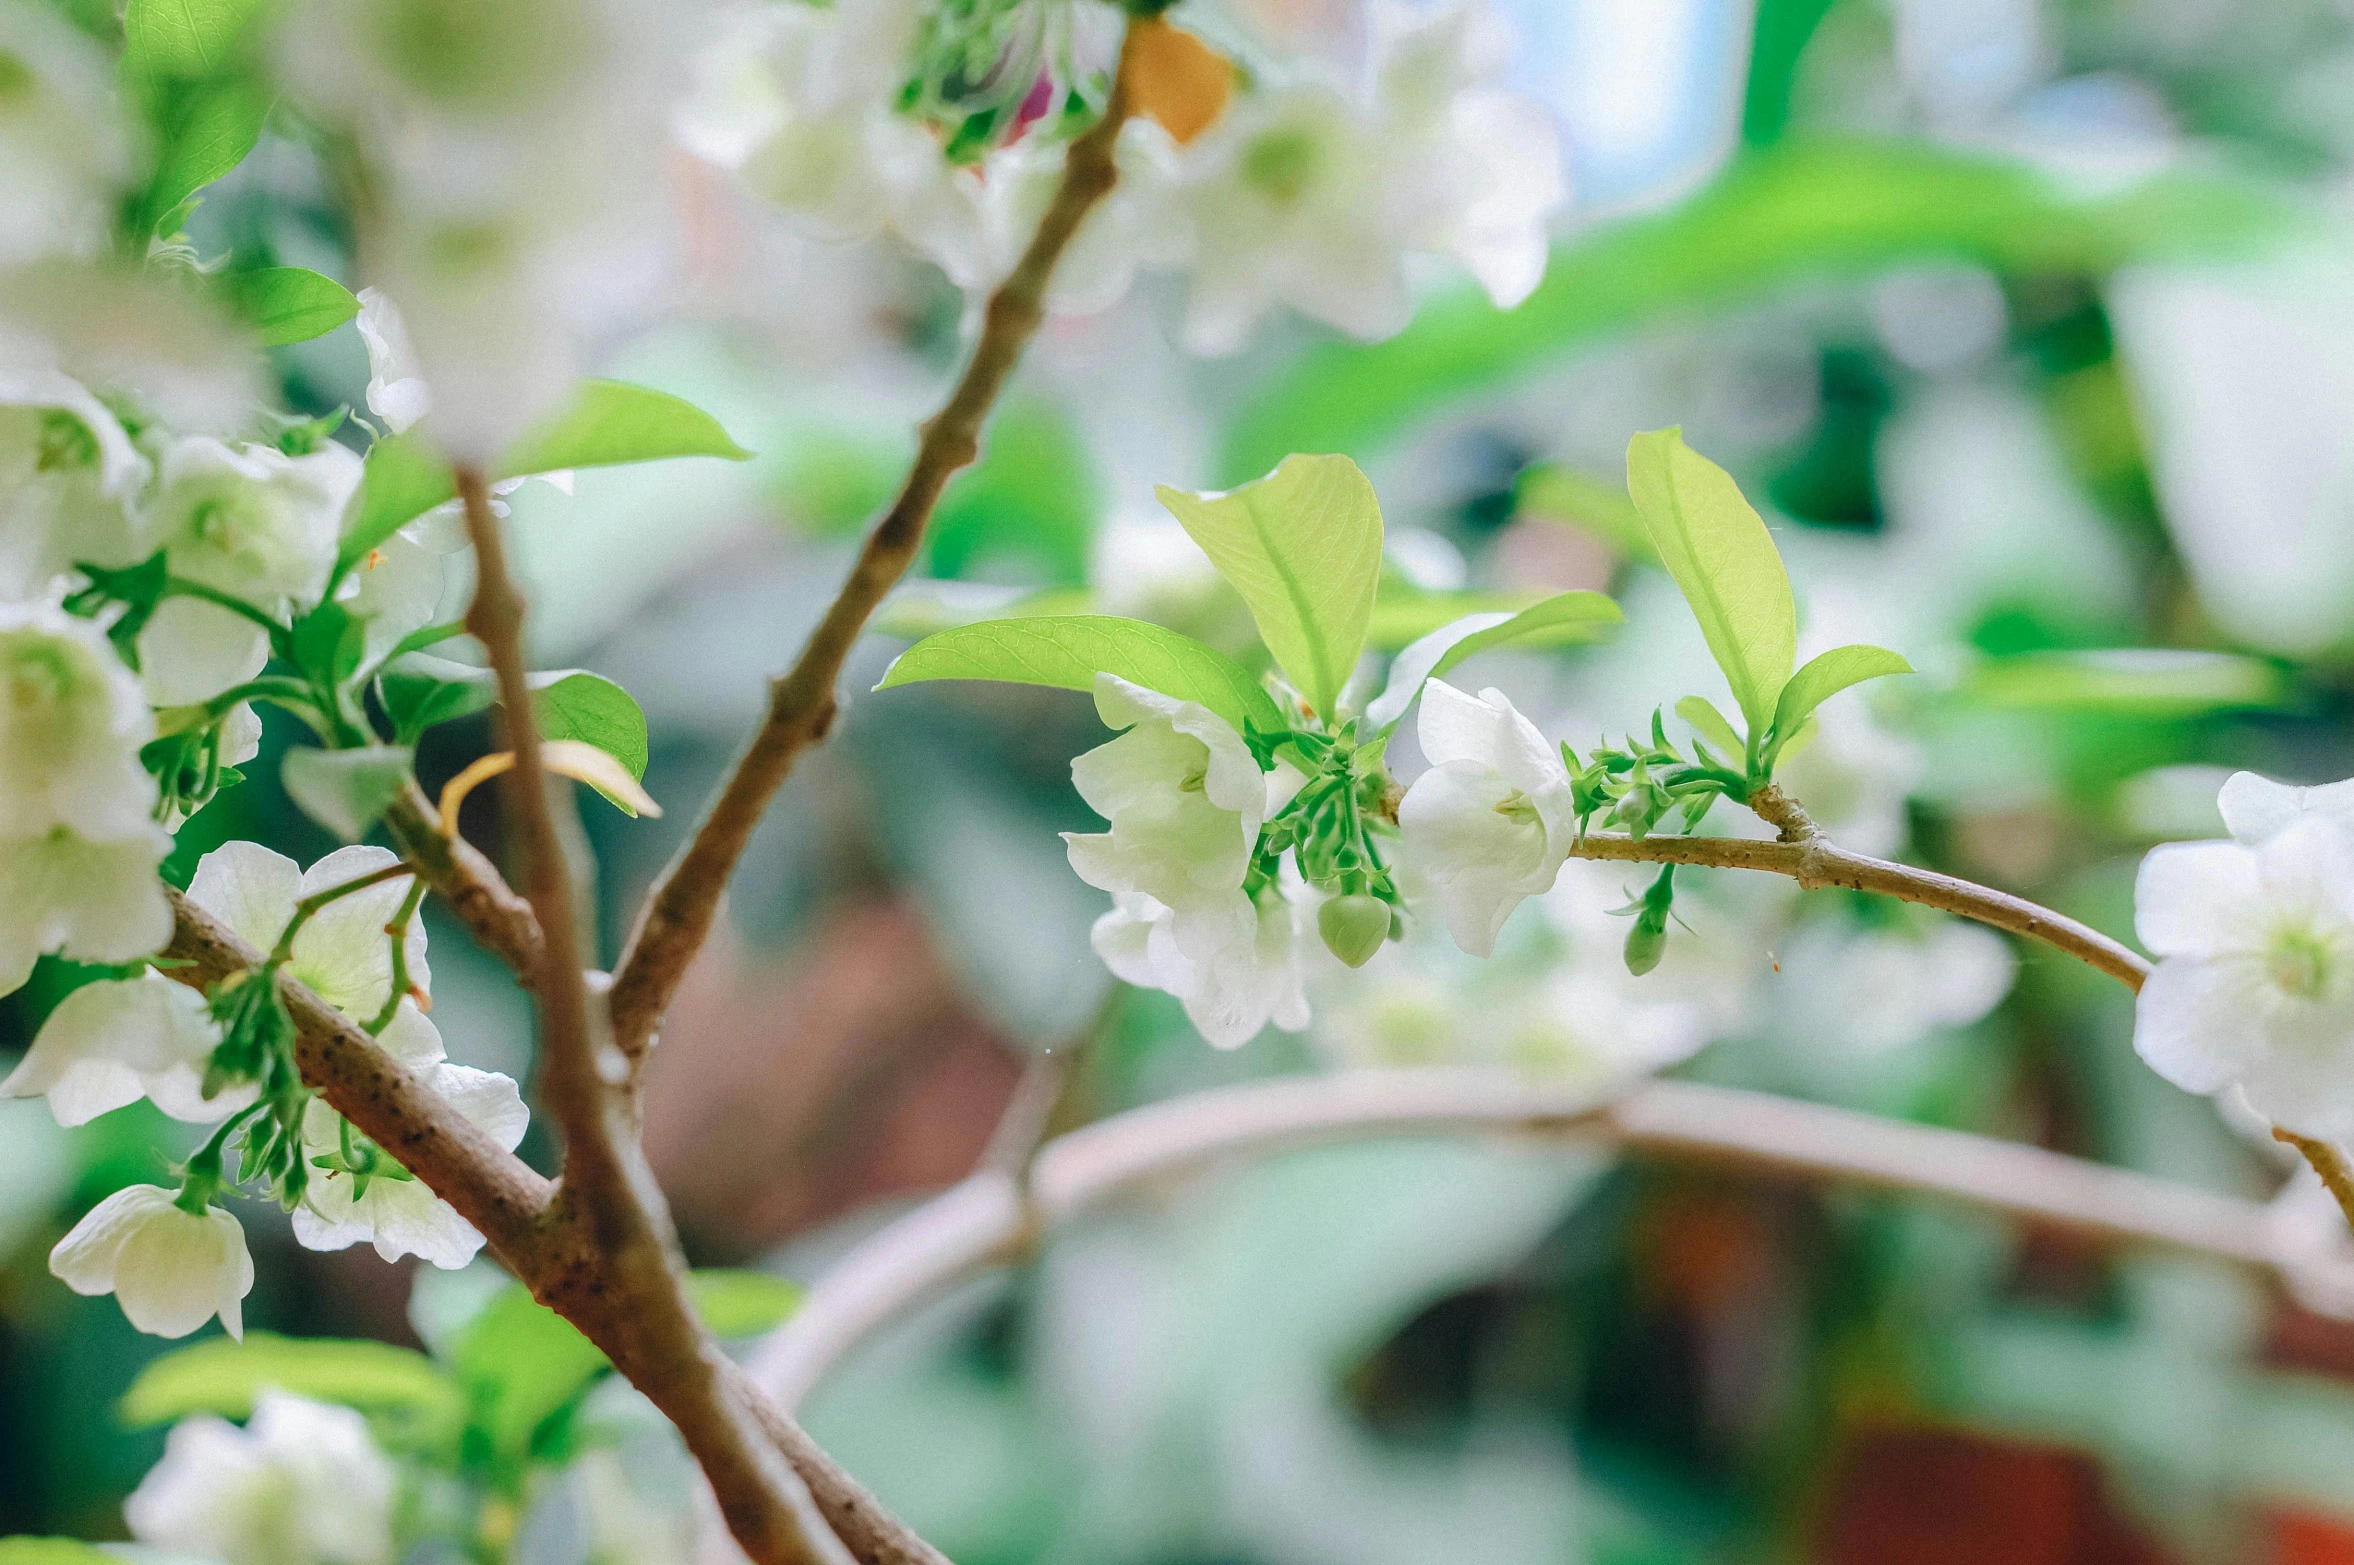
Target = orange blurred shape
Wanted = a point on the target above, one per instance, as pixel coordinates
(1942, 1497)
(1178, 80)
(2299, 1539)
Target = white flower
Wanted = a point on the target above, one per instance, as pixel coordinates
(517, 152)
(116, 1041)
(302, 1483)
(2256, 808)
(341, 952)
(65, 151)
(171, 1270)
(251, 522)
(71, 723)
(1858, 991)
(401, 1216)
(1138, 224)
(2255, 980)
(1491, 821)
(1186, 800)
(1312, 194)
(94, 901)
(1235, 991)
(70, 473)
(395, 392)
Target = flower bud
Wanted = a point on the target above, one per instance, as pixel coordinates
(1354, 927)
(1646, 942)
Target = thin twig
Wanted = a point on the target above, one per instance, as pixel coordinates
(1816, 862)
(498, 918)
(802, 703)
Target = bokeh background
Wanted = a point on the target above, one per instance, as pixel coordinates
(2031, 325)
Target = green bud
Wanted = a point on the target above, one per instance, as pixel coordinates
(1354, 927)
(1646, 943)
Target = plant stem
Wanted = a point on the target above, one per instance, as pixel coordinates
(677, 916)
(398, 933)
(308, 908)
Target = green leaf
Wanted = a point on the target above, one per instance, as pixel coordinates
(329, 642)
(403, 479)
(290, 304)
(223, 1376)
(741, 1303)
(1712, 726)
(610, 423)
(1403, 617)
(1562, 620)
(1068, 651)
(202, 131)
(521, 1364)
(2151, 682)
(346, 791)
(1303, 547)
(577, 704)
(182, 38)
(420, 690)
(1823, 677)
(1714, 544)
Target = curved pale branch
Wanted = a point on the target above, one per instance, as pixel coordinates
(802, 705)
(996, 1218)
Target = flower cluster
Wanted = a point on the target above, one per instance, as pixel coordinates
(1298, 176)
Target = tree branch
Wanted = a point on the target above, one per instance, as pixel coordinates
(499, 919)
(996, 1218)
(1815, 862)
(802, 703)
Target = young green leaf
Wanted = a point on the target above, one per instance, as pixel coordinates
(1067, 651)
(224, 1376)
(520, 1364)
(1303, 547)
(1561, 620)
(609, 423)
(346, 791)
(288, 303)
(1824, 677)
(593, 710)
(182, 38)
(54, 1551)
(738, 1304)
(1718, 550)
(1713, 726)
(203, 130)
(2147, 682)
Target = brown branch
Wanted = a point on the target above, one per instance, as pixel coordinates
(1816, 862)
(802, 704)
(489, 1186)
(568, 1032)
(498, 917)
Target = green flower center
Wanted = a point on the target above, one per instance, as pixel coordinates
(2298, 963)
(41, 677)
(1519, 808)
(64, 442)
(16, 78)
(1283, 165)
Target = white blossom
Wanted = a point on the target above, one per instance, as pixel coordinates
(65, 150)
(1491, 821)
(341, 952)
(401, 1216)
(2256, 808)
(71, 723)
(93, 901)
(171, 1270)
(1185, 800)
(396, 393)
(250, 522)
(116, 1041)
(1857, 991)
(303, 1483)
(2254, 985)
(71, 476)
(1313, 193)
(1235, 991)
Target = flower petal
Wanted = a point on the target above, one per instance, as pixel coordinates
(2197, 898)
